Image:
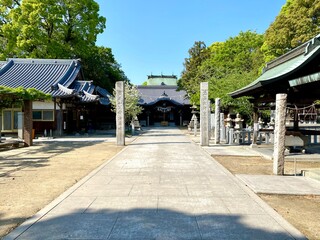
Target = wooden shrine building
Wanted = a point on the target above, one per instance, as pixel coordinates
(77, 105)
(297, 74)
(163, 104)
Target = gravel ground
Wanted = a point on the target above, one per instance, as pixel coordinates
(30, 178)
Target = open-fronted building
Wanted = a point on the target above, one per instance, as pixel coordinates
(77, 105)
(296, 74)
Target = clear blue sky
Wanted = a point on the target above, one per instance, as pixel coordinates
(154, 36)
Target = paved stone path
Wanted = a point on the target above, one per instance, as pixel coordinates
(161, 186)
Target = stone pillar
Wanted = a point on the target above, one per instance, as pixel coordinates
(231, 135)
(279, 134)
(195, 125)
(27, 123)
(120, 121)
(217, 121)
(212, 125)
(222, 128)
(204, 114)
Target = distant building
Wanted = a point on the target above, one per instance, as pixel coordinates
(163, 104)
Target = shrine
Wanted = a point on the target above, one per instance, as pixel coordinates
(163, 104)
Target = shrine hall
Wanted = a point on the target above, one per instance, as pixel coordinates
(163, 104)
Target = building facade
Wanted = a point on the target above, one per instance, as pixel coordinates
(163, 104)
(75, 102)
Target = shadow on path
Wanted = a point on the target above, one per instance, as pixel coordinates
(150, 224)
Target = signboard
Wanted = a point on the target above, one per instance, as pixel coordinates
(164, 109)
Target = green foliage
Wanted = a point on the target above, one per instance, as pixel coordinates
(132, 97)
(51, 28)
(101, 66)
(58, 29)
(297, 22)
(227, 66)
(197, 54)
(9, 96)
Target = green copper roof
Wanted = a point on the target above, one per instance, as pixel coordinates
(156, 80)
(282, 67)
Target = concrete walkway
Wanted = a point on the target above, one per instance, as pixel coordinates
(161, 186)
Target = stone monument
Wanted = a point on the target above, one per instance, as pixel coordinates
(279, 134)
(204, 114)
(120, 121)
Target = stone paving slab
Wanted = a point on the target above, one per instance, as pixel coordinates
(162, 186)
(270, 184)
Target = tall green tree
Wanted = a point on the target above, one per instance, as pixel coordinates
(198, 53)
(227, 66)
(101, 66)
(297, 22)
(51, 28)
(58, 29)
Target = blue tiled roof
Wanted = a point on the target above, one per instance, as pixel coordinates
(57, 77)
(42, 74)
(153, 94)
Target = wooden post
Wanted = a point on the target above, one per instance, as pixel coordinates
(279, 134)
(27, 123)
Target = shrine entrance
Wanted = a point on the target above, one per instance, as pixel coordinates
(165, 113)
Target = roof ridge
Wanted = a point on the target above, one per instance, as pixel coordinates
(42, 60)
(304, 48)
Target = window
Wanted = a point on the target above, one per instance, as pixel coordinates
(37, 115)
(9, 119)
(43, 115)
(47, 115)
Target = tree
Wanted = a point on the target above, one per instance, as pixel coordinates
(58, 29)
(50, 28)
(101, 66)
(189, 80)
(227, 66)
(132, 97)
(232, 65)
(297, 22)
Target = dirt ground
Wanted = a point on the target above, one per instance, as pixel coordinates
(33, 177)
(301, 211)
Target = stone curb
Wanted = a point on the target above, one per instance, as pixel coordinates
(295, 233)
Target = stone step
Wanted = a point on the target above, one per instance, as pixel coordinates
(312, 173)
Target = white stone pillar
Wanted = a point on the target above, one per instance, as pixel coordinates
(204, 114)
(217, 121)
(120, 121)
(279, 134)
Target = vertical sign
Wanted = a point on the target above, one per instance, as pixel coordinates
(120, 122)
(204, 114)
